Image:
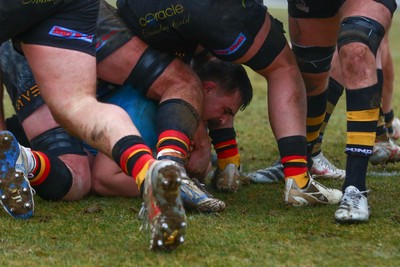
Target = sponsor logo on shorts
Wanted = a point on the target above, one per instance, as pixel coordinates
(70, 34)
(103, 39)
(26, 97)
(152, 18)
(234, 47)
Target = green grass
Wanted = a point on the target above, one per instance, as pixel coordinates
(256, 229)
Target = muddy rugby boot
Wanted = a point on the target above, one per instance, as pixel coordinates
(16, 194)
(314, 194)
(163, 208)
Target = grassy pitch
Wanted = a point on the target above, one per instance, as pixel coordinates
(256, 229)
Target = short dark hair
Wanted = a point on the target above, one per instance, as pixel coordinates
(230, 77)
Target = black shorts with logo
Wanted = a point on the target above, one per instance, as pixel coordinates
(226, 28)
(17, 76)
(66, 24)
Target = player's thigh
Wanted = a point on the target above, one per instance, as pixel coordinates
(314, 31)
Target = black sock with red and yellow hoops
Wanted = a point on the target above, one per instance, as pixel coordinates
(177, 120)
(134, 157)
(51, 178)
(293, 152)
(225, 145)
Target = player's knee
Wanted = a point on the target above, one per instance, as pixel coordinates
(363, 30)
(64, 183)
(58, 183)
(81, 178)
(354, 58)
(65, 111)
(60, 180)
(313, 59)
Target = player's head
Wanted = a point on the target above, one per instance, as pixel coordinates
(227, 89)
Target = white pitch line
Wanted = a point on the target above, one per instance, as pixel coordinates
(384, 173)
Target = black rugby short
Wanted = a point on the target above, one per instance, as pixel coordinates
(227, 28)
(21, 86)
(66, 24)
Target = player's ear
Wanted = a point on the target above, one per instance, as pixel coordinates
(224, 120)
(208, 86)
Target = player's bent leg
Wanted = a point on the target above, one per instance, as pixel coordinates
(103, 125)
(142, 111)
(282, 106)
(159, 181)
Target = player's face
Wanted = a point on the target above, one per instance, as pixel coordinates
(219, 107)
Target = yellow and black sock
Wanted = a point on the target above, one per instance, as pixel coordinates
(293, 152)
(316, 107)
(334, 92)
(224, 142)
(134, 157)
(362, 119)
